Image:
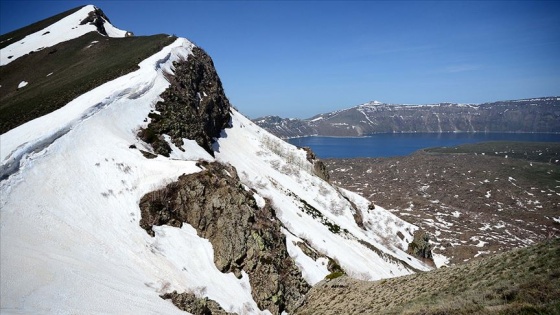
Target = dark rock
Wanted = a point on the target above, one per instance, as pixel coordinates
(420, 245)
(319, 168)
(188, 302)
(193, 107)
(97, 18)
(244, 237)
(148, 155)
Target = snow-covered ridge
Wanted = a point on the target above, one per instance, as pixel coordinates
(70, 237)
(71, 182)
(66, 29)
(69, 212)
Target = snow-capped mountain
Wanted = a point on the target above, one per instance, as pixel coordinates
(149, 193)
(526, 115)
(87, 19)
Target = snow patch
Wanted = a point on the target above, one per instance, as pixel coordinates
(440, 260)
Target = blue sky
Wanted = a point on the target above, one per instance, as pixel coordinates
(301, 58)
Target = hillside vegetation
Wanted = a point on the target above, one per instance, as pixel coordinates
(60, 73)
(523, 281)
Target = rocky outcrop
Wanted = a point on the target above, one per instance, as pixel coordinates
(319, 168)
(97, 18)
(193, 107)
(420, 245)
(188, 302)
(244, 236)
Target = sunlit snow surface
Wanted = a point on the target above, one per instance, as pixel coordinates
(69, 226)
(70, 237)
(66, 29)
(261, 161)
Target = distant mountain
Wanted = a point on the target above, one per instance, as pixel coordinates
(526, 115)
(129, 185)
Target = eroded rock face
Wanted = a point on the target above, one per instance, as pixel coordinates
(244, 236)
(193, 107)
(319, 168)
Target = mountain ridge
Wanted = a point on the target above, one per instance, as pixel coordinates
(524, 115)
(78, 177)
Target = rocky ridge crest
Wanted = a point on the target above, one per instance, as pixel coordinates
(193, 107)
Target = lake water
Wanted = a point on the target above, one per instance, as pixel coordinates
(399, 144)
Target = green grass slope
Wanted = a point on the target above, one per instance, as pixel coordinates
(58, 74)
(523, 281)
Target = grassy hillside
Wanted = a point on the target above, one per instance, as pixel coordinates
(16, 35)
(523, 281)
(58, 74)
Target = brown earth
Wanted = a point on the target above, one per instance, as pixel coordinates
(471, 204)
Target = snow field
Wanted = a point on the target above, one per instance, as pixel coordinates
(70, 237)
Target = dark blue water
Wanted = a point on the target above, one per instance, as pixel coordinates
(399, 144)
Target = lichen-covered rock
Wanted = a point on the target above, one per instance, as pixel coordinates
(188, 302)
(244, 236)
(420, 245)
(193, 107)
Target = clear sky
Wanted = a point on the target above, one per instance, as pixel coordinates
(301, 58)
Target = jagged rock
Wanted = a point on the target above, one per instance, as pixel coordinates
(194, 106)
(244, 236)
(420, 245)
(188, 302)
(97, 18)
(319, 168)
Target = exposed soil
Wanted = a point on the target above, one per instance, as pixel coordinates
(471, 204)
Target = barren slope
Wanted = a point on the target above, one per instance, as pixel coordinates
(472, 204)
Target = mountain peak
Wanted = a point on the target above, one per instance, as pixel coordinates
(86, 19)
(98, 18)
